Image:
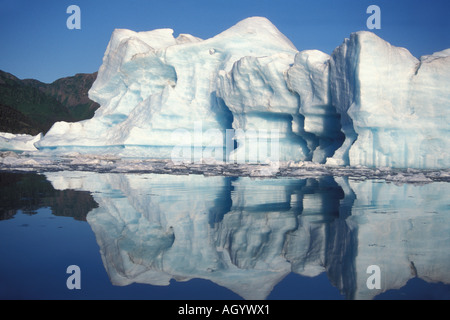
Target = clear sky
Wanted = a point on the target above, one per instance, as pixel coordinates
(36, 43)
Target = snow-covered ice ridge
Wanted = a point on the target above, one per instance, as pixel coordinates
(368, 103)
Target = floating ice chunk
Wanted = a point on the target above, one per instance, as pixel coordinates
(20, 142)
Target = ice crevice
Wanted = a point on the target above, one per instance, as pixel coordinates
(367, 103)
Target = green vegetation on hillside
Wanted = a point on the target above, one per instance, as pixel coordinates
(30, 106)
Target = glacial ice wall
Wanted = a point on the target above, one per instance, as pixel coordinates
(368, 103)
(394, 107)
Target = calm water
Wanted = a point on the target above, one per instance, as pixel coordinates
(156, 236)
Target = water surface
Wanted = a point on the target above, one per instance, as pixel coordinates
(160, 236)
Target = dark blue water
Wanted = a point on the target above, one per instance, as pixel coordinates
(193, 237)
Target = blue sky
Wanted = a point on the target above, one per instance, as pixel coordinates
(35, 42)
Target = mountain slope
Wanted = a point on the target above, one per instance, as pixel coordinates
(14, 121)
(30, 106)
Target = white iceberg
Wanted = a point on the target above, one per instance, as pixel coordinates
(394, 107)
(160, 91)
(18, 142)
(249, 95)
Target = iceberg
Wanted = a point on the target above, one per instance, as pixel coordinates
(18, 142)
(393, 106)
(160, 91)
(249, 95)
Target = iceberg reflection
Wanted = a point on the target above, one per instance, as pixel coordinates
(247, 234)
